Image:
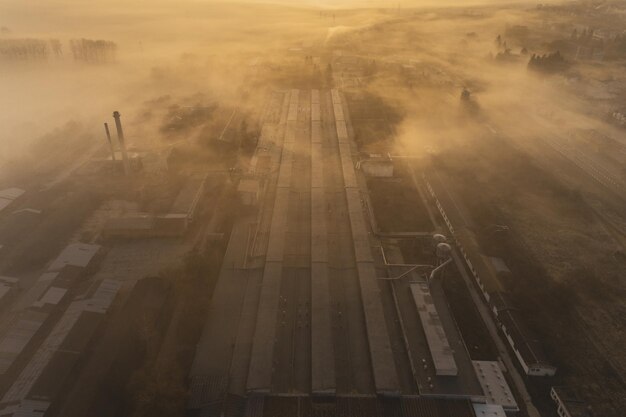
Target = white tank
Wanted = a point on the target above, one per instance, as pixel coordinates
(439, 238)
(443, 250)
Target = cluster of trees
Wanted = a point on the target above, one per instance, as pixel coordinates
(548, 63)
(587, 44)
(501, 43)
(584, 36)
(23, 49)
(89, 50)
(28, 49)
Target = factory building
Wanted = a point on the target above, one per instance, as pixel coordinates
(172, 224)
(188, 199)
(23, 334)
(54, 288)
(44, 376)
(496, 389)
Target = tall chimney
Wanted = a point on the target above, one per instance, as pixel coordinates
(120, 137)
(106, 129)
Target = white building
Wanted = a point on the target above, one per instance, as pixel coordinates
(496, 389)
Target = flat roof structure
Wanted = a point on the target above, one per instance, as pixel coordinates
(322, 349)
(292, 115)
(11, 193)
(223, 358)
(381, 355)
(317, 166)
(53, 296)
(286, 163)
(347, 166)
(316, 132)
(440, 351)
(97, 300)
(300, 323)
(18, 336)
(187, 200)
(339, 116)
(342, 132)
(488, 410)
(315, 112)
(494, 385)
(261, 359)
(315, 96)
(75, 254)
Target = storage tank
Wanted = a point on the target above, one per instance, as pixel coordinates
(443, 251)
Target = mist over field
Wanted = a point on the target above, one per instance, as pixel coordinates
(239, 263)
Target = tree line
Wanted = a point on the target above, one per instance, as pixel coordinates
(30, 49)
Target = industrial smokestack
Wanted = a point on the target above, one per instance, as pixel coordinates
(106, 129)
(120, 138)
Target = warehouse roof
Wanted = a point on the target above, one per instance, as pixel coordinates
(75, 254)
(494, 385)
(53, 296)
(489, 410)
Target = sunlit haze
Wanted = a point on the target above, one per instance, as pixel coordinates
(296, 208)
